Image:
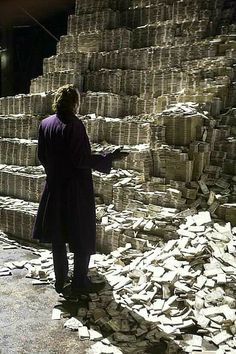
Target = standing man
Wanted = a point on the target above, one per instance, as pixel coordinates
(66, 211)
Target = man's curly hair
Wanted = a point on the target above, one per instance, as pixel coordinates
(66, 100)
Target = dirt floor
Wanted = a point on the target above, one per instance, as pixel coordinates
(25, 314)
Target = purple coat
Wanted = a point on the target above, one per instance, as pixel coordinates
(67, 208)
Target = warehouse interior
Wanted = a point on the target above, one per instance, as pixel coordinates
(157, 79)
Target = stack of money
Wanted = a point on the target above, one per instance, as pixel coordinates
(67, 44)
(121, 197)
(218, 158)
(169, 32)
(189, 154)
(78, 62)
(110, 60)
(228, 146)
(22, 182)
(49, 64)
(180, 171)
(199, 4)
(158, 136)
(227, 212)
(104, 80)
(22, 126)
(181, 129)
(232, 92)
(102, 104)
(115, 39)
(38, 84)
(153, 35)
(188, 192)
(17, 217)
(171, 198)
(134, 105)
(213, 135)
(124, 132)
(228, 118)
(37, 104)
(213, 104)
(91, 6)
(229, 166)
(145, 129)
(137, 242)
(213, 172)
(155, 83)
(6, 105)
(140, 161)
(18, 152)
(165, 155)
(223, 149)
(52, 81)
(94, 128)
(107, 239)
(95, 41)
(82, 42)
(92, 22)
(154, 58)
(199, 153)
(172, 164)
(139, 158)
(220, 66)
(104, 184)
(26, 104)
(126, 190)
(180, 11)
(142, 3)
(136, 17)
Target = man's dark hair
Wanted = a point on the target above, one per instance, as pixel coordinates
(66, 100)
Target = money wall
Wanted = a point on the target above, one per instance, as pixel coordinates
(158, 77)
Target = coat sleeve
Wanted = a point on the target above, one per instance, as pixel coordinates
(80, 151)
(41, 147)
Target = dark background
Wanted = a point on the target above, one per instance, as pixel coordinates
(25, 42)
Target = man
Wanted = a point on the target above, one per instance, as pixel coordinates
(66, 211)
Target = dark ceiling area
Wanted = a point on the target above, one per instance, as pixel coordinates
(28, 32)
(14, 11)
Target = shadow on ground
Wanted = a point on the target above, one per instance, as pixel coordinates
(123, 328)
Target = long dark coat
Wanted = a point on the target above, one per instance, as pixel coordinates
(66, 211)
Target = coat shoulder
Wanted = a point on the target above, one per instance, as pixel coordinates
(48, 120)
(76, 125)
(76, 122)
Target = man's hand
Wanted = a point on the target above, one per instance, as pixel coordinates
(118, 154)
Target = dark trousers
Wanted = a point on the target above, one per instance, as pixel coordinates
(60, 262)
